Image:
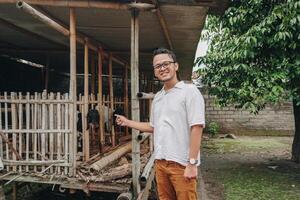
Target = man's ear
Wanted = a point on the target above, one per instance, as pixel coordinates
(176, 66)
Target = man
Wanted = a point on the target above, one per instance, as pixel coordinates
(177, 119)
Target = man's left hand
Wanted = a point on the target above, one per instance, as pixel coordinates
(191, 171)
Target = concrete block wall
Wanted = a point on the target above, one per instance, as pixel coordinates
(273, 120)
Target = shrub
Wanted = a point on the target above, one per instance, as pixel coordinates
(213, 129)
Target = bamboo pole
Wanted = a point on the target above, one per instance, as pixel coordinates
(92, 74)
(76, 4)
(6, 127)
(111, 98)
(126, 96)
(27, 128)
(100, 164)
(147, 170)
(43, 135)
(34, 128)
(86, 103)
(151, 139)
(51, 127)
(20, 134)
(163, 24)
(58, 136)
(66, 136)
(136, 165)
(14, 126)
(100, 100)
(73, 91)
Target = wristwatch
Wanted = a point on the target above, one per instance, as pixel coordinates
(193, 161)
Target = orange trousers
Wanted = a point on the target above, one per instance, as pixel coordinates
(171, 184)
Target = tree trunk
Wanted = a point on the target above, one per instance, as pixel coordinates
(296, 142)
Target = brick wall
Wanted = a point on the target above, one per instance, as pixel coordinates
(273, 120)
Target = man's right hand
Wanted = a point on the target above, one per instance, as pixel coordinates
(121, 120)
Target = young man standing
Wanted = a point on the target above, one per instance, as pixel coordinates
(177, 120)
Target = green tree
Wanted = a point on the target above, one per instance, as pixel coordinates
(253, 58)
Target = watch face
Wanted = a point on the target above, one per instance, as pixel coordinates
(192, 161)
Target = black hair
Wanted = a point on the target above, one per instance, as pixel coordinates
(162, 50)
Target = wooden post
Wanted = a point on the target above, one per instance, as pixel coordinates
(100, 100)
(135, 109)
(73, 92)
(86, 145)
(20, 134)
(14, 125)
(35, 126)
(43, 135)
(126, 104)
(111, 100)
(93, 75)
(6, 127)
(51, 127)
(58, 113)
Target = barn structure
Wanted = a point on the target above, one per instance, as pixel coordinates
(65, 61)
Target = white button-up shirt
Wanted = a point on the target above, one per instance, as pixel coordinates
(173, 114)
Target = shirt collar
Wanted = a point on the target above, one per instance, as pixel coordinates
(178, 85)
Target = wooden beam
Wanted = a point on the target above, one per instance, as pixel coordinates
(126, 95)
(111, 100)
(75, 4)
(86, 139)
(135, 108)
(163, 24)
(93, 91)
(73, 91)
(100, 103)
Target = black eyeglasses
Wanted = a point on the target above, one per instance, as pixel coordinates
(164, 65)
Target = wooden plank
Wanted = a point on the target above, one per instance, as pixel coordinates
(100, 100)
(111, 98)
(135, 109)
(73, 92)
(6, 127)
(14, 126)
(43, 135)
(126, 96)
(20, 134)
(58, 113)
(51, 127)
(93, 91)
(86, 142)
(27, 128)
(35, 126)
(66, 146)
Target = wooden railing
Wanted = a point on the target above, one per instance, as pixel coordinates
(36, 132)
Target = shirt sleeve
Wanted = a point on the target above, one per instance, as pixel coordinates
(195, 107)
(151, 115)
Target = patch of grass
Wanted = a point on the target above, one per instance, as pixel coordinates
(259, 183)
(244, 144)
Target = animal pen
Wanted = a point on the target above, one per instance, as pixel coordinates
(65, 135)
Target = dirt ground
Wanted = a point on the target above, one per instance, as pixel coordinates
(226, 161)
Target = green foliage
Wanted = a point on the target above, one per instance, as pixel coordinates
(254, 53)
(213, 128)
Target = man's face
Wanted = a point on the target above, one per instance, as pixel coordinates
(164, 67)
